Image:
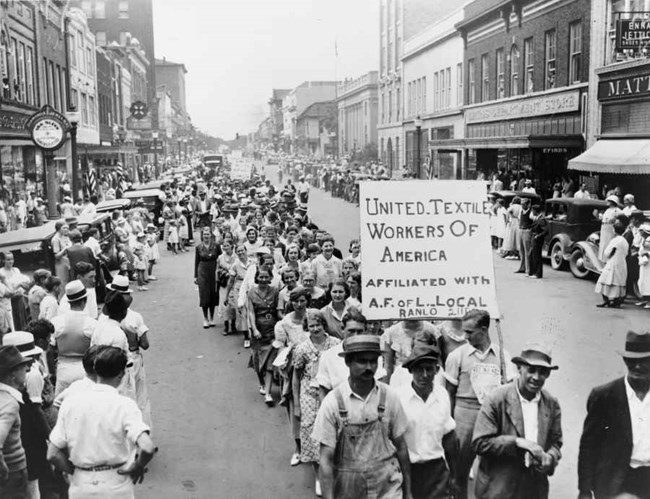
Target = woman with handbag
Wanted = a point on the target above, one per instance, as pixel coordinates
(205, 270)
(224, 263)
(644, 266)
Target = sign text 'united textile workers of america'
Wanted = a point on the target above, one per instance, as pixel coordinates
(426, 249)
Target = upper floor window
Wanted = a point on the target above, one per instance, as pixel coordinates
(124, 35)
(501, 74)
(459, 84)
(100, 9)
(471, 81)
(485, 78)
(514, 70)
(87, 7)
(575, 52)
(123, 9)
(550, 62)
(100, 38)
(529, 82)
(399, 104)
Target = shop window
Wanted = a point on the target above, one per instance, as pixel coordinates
(626, 10)
(575, 52)
(529, 83)
(501, 76)
(459, 84)
(485, 79)
(471, 81)
(550, 62)
(123, 9)
(514, 71)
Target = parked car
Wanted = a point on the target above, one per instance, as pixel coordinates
(153, 200)
(572, 225)
(508, 196)
(114, 204)
(32, 247)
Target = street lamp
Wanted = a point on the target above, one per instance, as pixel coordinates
(154, 136)
(418, 140)
(73, 117)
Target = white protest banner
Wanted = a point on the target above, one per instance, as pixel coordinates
(425, 249)
(240, 168)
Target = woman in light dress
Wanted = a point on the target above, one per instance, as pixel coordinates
(607, 220)
(612, 281)
(500, 216)
(510, 248)
(644, 266)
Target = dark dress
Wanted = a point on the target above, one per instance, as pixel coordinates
(205, 270)
(265, 306)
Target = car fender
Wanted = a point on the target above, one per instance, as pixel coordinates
(590, 252)
(566, 243)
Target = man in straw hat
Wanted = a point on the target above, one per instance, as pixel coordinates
(430, 437)
(73, 331)
(100, 439)
(360, 426)
(13, 463)
(518, 432)
(614, 456)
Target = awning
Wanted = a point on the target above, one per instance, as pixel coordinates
(630, 156)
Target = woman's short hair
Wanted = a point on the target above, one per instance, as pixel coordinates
(288, 270)
(298, 292)
(75, 236)
(339, 281)
(354, 314)
(352, 262)
(58, 225)
(82, 268)
(263, 269)
(353, 242)
(314, 314)
(52, 282)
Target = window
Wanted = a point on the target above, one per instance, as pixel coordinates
(89, 62)
(47, 84)
(436, 91)
(443, 90)
(471, 81)
(419, 95)
(529, 83)
(84, 109)
(74, 98)
(575, 52)
(124, 35)
(459, 84)
(73, 50)
(13, 83)
(514, 70)
(448, 103)
(398, 48)
(4, 67)
(100, 38)
(485, 78)
(424, 94)
(29, 70)
(399, 103)
(549, 53)
(123, 9)
(81, 55)
(62, 88)
(383, 107)
(22, 79)
(87, 7)
(55, 87)
(501, 75)
(100, 9)
(92, 111)
(390, 106)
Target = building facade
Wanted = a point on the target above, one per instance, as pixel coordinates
(275, 114)
(172, 75)
(358, 105)
(526, 73)
(314, 127)
(433, 76)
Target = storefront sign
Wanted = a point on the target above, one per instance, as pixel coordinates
(426, 249)
(12, 122)
(48, 128)
(632, 34)
(564, 102)
(622, 88)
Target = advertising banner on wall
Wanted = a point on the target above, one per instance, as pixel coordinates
(426, 251)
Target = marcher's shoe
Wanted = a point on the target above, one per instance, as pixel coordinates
(206, 324)
(317, 489)
(143, 288)
(647, 305)
(295, 459)
(153, 278)
(247, 343)
(284, 401)
(534, 277)
(519, 272)
(262, 390)
(211, 323)
(641, 303)
(604, 304)
(268, 400)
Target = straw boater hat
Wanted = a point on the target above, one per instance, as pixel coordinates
(361, 343)
(637, 346)
(75, 291)
(535, 354)
(420, 352)
(10, 357)
(120, 284)
(23, 341)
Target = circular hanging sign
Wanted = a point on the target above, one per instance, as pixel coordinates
(48, 132)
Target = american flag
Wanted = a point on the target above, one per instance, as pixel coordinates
(91, 183)
(120, 187)
(428, 165)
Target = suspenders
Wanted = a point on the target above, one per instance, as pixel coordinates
(343, 411)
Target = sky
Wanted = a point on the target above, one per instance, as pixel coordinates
(237, 51)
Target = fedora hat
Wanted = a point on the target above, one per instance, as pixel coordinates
(75, 291)
(120, 284)
(637, 346)
(535, 354)
(420, 352)
(10, 357)
(23, 341)
(361, 343)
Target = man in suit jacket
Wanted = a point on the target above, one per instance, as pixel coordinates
(614, 453)
(518, 432)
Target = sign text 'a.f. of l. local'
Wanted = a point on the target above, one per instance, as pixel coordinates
(426, 250)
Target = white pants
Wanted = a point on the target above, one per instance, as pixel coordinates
(32, 490)
(68, 370)
(101, 484)
(141, 393)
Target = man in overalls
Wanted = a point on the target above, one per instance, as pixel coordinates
(361, 426)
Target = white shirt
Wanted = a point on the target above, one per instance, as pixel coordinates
(59, 324)
(530, 413)
(13, 392)
(640, 418)
(94, 245)
(332, 370)
(49, 308)
(98, 426)
(77, 386)
(428, 422)
(582, 195)
(91, 304)
(110, 333)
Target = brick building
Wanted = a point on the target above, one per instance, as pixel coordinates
(526, 73)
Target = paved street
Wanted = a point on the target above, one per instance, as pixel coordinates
(217, 439)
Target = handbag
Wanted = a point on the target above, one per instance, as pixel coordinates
(282, 358)
(222, 278)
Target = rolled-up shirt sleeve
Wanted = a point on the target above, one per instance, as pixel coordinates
(326, 424)
(452, 367)
(132, 421)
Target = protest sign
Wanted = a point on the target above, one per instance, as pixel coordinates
(241, 168)
(426, 251)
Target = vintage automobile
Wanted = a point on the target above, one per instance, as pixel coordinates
(153, 200)
(32, 247)
(571, 232)
(113, 204)
(508, 196)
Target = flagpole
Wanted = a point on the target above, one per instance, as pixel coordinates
(336, 94)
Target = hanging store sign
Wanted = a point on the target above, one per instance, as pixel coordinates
(426, 249)
(632, 34)
(48, 128)
(621, 88)
(12, 122)
(564, 102)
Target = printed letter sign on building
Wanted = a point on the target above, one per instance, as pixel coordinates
(426, 249)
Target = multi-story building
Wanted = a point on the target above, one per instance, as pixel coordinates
(358, 104)
(618, 134)
(275, 113)
(315, 127)
(299, 99)
(526, 73)
(432, 69)
(172, 75)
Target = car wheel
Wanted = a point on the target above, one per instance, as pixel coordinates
(577, 264)
(557, 256)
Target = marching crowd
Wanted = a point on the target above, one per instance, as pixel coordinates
(386, 410)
